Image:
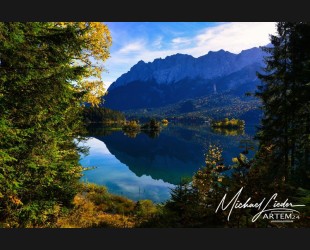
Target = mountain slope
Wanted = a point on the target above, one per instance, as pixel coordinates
(180, 77)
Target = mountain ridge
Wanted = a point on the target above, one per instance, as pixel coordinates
(200, 66)
(180, 77)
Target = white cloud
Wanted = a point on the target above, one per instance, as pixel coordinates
(233, 37)
(131, 47)
(158, 43)
(181, 40)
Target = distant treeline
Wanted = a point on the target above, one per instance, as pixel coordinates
(103, 115)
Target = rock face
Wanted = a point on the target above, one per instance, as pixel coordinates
(179, 77)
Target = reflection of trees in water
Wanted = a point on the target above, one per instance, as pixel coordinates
(247, 145)
(131, 134)
(166, 158)
(100, 130)
(151, 133)
(103, 130)
(177, 152)
(231, 140)
(228, 131)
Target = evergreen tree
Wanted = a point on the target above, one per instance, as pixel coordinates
(42, 86)
(285, 96)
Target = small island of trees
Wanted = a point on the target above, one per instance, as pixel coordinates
(229, 124)
(164, 121)
(152, 125)
(133, 127)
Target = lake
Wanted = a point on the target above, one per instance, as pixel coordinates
(148, 166)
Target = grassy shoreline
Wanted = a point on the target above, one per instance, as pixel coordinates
(93, 206)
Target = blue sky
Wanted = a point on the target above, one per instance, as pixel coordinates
(135, 41)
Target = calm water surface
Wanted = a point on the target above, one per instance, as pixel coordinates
(148, 166)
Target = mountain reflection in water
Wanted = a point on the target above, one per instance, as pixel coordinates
(144, 167)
